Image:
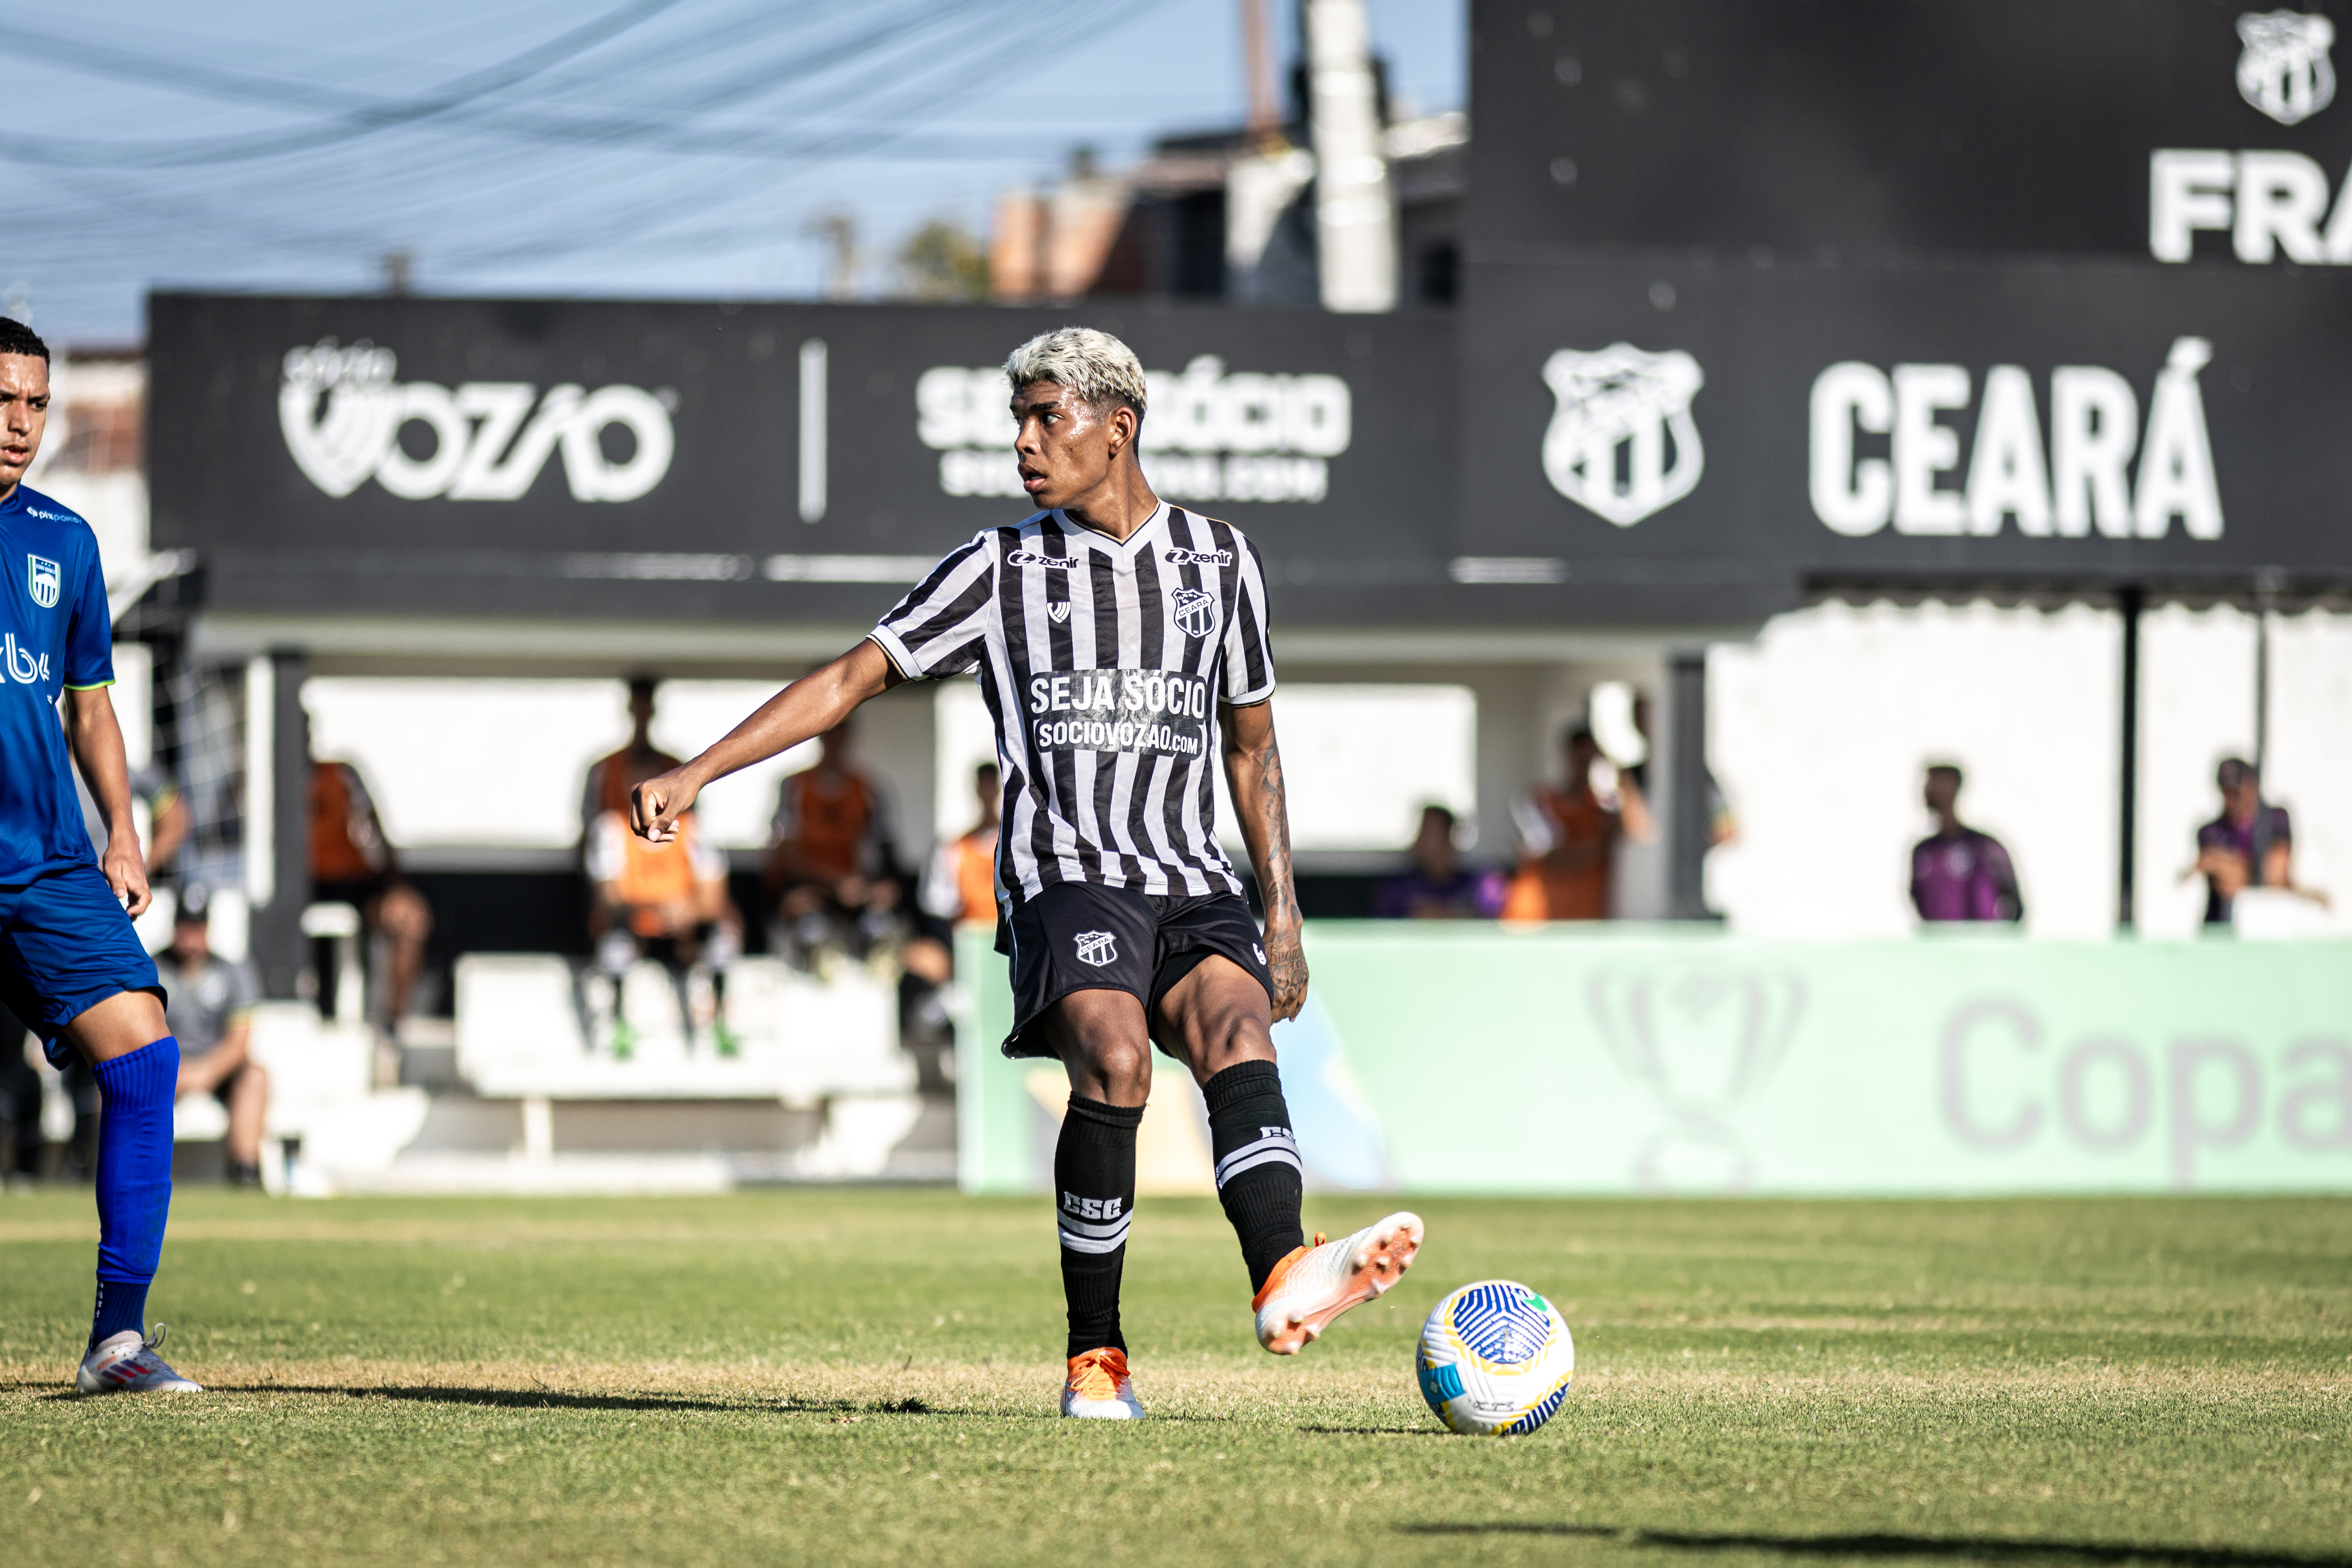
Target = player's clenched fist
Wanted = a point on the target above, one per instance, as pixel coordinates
(655, 806)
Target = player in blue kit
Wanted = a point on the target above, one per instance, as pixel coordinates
(70, 965)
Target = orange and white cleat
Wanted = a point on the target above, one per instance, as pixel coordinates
(1315, 1284)
(1098, 1388)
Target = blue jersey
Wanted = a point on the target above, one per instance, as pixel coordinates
(55, 635)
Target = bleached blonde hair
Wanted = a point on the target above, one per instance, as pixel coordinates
(1092, 366)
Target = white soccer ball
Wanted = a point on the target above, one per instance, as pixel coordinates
(1494, 1359)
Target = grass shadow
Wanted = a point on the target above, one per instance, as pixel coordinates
(1993, 1549)
(562, 1399)
(1377, 1432)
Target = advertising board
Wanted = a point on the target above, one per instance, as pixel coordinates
(740, 461)
(1855, 128)
(1479, 1059)
(1649, 423)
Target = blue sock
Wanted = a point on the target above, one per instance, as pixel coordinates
(134, 1180)
(121, 1305)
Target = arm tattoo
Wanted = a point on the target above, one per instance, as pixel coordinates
(1274, 814)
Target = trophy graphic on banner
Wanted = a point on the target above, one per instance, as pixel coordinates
(1703, 1038)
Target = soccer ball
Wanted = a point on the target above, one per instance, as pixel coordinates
(1494, 1359)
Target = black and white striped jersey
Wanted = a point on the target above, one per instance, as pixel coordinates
(1103, 665)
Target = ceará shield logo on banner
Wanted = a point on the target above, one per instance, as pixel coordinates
(1621, 443)
(2285, 70)
(342, 415)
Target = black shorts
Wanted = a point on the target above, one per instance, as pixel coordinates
(1076, 936)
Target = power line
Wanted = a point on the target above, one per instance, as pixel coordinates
(367, 120)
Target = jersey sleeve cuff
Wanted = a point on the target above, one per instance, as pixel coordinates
(90, 685)
(896, 653)
(1251, 699)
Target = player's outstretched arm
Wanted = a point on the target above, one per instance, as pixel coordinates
(96, 738)
(802, 710)
(1254, 774)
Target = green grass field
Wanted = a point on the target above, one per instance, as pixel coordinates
(866, 1376)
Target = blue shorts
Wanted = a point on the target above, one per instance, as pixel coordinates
(65, 946)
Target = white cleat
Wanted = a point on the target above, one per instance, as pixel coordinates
(127, 1364)
(1098, 1388)
(1315, 1284)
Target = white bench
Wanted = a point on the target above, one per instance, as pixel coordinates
(802, 1040)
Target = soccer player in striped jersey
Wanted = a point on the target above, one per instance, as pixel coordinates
(1121, 645)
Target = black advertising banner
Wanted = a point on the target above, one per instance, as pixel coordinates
(1738, 428)
(663, 461)
(1856, 128)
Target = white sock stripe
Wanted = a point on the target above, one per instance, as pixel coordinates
(1265, 1156)
(1095, 1244)
(1250, 1154)
(1094, 1228)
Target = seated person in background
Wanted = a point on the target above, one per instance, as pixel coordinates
(611, 777)
(2250, 845)
(351, 862)
(167, 814)
(830, 867)
(1958, 873)
(21, 1139)
(1438, 887)
(1566, 837)
(668, 902)
(961, 885)
(211, 1012)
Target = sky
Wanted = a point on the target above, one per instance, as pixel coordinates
(665, 148)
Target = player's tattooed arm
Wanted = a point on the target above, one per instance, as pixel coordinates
(1253, 772)
(801, 711)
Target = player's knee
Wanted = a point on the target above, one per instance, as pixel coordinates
(1122, 1068)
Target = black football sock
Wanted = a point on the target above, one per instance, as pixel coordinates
(1094, 1174)
(1259, 1178)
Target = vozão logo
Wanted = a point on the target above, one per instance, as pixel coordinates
(43, 580)
(1623, 399)
(1207, 436)
(1097, 948)
(2285, 70)
(342, 415)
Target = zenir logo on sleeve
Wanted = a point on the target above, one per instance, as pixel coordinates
(44, 578)
(1097, 948)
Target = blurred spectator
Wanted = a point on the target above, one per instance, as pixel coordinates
(211, 1014)
(351, 862)
(21, 1139)
(611, 777)
(1640, 823)
(1633, 781)
(1566, 835)
(1438, 887)
(832, 867)
(167, 814)
(960, 884)
(1958, 873)
(668, 902)
(2250, 845)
